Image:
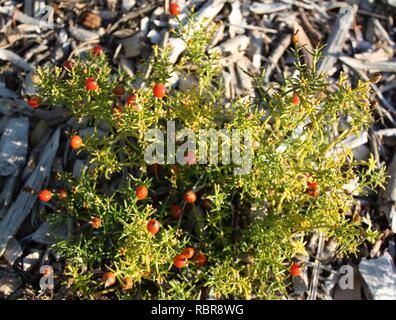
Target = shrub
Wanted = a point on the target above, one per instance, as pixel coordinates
(246, 229)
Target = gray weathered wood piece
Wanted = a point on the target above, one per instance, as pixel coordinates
(379, 277)
(82, 34)
(7, 193)
(337, 39)
(372, 66)
(388, 196)
(13, 251)
(281, 47)
(25, 201)
(266, 8)
(8, 55)
(13, 145)
(313, 286)
(48, 234)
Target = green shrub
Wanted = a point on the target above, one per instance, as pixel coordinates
(250, 227)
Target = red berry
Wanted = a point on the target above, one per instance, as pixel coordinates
(313, 185)
(159, 90)
(34, 102)
(119, 91)
(188, 252)
(314, 193)
(131, 100)
(95, 222)
(68, 65)
(180, 261)
(76, 142)
(176, 211)
(295, 270)
(174, 9)
(97, 50)
(62, 194)
(206, 204)
(295, 38)
(153, 226)
(108, 279)
(117, 110)
(45, 195)
(127, 283)
(90, 84)
(200, 259)
(90, 79)
(141, 192)
(190, 197)
(191, 158)
(296, 100)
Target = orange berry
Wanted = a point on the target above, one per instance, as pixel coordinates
(131, 100)
(68, 65)
(97, 50)
(200, 259)
(45, 195)
(90, 84)
(313, 185)
(153, 226)
(62, 194)
(141, 192)
(190, 197)
(314, 193)
(108, 279)
(174, 9)
(295, 270)
(296, 100)
(180, 261)
(95, 222)
(295, 38)
(188, 252)
(76, 142)
(206, 204)
(117, 110)
(176, 211)
(159, 90)
(127, 283)
(119, 91)
(34, 102)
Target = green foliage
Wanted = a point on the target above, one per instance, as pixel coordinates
(256, 224)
